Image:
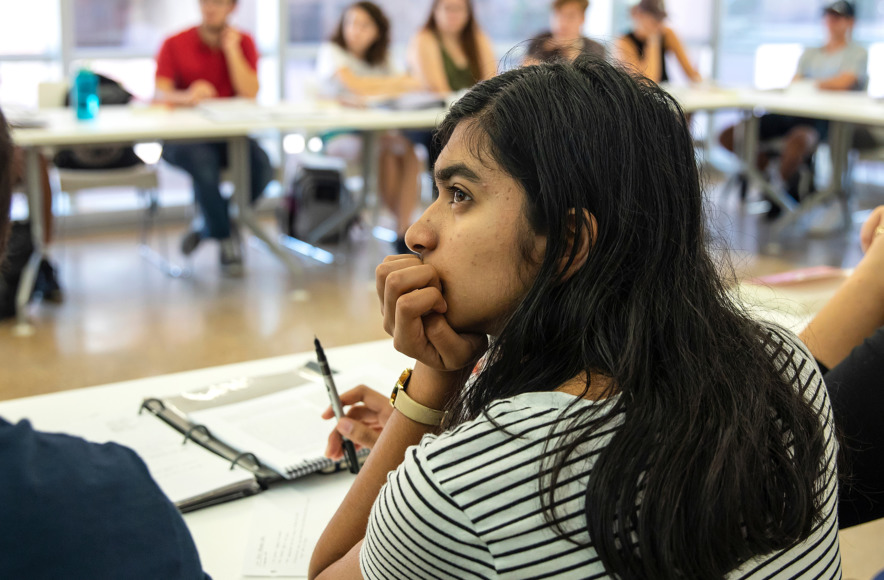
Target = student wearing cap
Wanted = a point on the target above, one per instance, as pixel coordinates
(839, 65)
(644, 48)
(564, 40)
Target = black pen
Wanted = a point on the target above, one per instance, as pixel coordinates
(349, 449)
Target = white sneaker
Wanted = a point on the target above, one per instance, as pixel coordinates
(826, 220)
(231, 258)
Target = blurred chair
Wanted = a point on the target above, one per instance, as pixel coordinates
(142, 177)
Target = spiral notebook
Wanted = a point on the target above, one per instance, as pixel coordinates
(269, 425)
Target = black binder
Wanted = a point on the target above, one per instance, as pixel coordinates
(174, 412)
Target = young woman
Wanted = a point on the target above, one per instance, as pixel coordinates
(564, 40)
(451, 53)
(627, 418)
(356, 63)
(645, 47)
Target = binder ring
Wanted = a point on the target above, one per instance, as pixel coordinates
(152, 405)
(201, 428)
(247, 455)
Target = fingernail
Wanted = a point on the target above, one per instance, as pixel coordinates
(345, 426)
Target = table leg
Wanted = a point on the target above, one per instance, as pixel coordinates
(840, 140)
(35, 215)
(239, 160)
(750, 146)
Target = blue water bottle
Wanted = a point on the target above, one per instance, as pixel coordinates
(86, 94)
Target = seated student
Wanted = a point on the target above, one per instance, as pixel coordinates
(564, 40)
(73, 509)
(212, 60)
(847, 339)
(839, 65)
(356, 63)
(627, 420)
(450, 53)
(644, 48)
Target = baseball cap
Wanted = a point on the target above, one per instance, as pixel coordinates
(841, 8)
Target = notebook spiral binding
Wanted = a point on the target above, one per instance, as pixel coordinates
(323, 465)
(247, 455)
(155, 406)
(198, 428)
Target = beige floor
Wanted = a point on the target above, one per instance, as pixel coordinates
(123, 319)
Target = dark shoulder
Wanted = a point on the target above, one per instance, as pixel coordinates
(94, 506)
(539, 43)
(594, 48)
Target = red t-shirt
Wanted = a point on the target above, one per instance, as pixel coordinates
(185, 58)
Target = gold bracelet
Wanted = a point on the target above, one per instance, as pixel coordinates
(879, 230)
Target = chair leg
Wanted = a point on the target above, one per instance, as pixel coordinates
(149, 223)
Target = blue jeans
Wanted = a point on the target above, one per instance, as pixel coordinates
(204, 162)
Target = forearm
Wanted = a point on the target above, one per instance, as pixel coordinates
(347, 527)
(369, 87)
(172, 97)
(650, 64)
(853, 314)
(842, 82)
(243, 78)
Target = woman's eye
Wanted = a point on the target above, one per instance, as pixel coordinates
(459, 196)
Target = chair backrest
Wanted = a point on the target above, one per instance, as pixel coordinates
(51, 94)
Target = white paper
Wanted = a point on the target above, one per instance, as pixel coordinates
(284, 429)
(287, 524)
(181, 470)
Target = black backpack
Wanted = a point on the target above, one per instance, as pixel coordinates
(110, 92)
(316, 194)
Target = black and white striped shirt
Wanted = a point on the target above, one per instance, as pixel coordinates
(466, 503)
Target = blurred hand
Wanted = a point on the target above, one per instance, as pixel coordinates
(362, 423)
(200, 91)
(230, 39)
(867, 234)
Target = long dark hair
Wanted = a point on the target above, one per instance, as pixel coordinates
(6, 155)
(719, 455)
(469, 38)
(377, 52)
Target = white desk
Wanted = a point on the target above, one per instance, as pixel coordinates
(220, 532)
(129, 124)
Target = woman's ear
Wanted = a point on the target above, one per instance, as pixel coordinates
(580, 241)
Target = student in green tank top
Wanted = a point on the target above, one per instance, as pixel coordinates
(451, 53)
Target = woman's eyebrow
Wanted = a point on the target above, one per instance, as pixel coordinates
(449, 171)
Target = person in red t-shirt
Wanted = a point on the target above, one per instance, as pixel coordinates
(209, 61)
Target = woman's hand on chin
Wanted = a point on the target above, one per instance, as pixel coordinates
(414, 315)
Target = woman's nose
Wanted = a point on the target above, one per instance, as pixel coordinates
(421, 236)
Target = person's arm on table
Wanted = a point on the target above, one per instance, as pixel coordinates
(673, 42)
(374, 86)
(241, 66)
(857, 308)
(197, 92)
(843, 82)
(413, 309)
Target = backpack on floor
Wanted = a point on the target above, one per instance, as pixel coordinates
(317, 193)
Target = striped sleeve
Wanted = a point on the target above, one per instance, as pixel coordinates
(416, 530)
